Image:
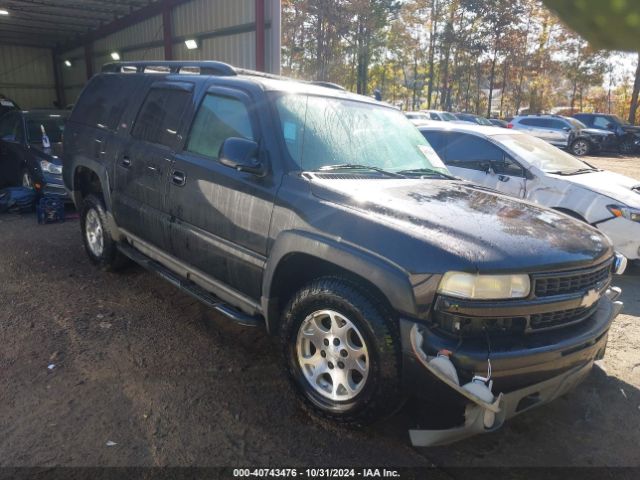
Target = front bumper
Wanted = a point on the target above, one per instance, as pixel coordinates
(532, 372)
(624, 234)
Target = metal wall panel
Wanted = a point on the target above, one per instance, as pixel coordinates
(26, 76)
(200, 16)
(238, 50)
(75, 76)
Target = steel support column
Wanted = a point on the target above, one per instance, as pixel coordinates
(59, 81)
(167, 29)
(260, 35)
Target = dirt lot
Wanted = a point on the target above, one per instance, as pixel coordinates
(138, 363)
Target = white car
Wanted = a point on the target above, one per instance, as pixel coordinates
(523, 166)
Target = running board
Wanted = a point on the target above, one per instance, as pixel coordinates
(191, 288)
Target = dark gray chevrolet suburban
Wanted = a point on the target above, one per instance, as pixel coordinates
(327, 218)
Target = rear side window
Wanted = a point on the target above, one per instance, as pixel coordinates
(217, 119)
(104, 101)
(159, 118)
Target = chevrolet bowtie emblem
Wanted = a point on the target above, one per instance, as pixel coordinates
(591, 297)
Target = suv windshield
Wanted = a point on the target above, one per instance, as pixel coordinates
(53, 126)
(540, 153)
(323, 131)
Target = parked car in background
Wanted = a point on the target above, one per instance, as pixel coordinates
(471, 118)
(526, 167)
(7, 105)
(417, 116)
(440, 116)
(327, 218)
(628, 136)
(499, 123)
(30, 150)
(567, 133)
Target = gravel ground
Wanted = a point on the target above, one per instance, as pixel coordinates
(89, 358)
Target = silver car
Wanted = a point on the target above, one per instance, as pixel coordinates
(565, 132)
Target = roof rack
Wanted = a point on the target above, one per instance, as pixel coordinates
(205, 68)
(322, 83)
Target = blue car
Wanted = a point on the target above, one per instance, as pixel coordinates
(31, 150)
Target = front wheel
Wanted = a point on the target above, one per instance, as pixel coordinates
(342, 352)
(580, 147)
(627, 146)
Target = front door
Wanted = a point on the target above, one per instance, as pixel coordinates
(478, 160)
(143, 163)
(221, 216)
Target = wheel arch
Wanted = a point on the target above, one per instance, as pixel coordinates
(90, 177)
(299, 257)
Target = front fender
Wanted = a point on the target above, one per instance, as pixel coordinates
(390, 279)
(97, 168)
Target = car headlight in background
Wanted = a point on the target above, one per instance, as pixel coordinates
(629, 213)
(484, 287)
(50, 167)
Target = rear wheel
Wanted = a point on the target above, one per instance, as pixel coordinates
(96, 234)
(580, 147)
(342, 352)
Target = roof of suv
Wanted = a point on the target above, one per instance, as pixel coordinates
(266, 81)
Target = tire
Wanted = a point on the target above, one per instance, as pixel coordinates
(627, 147)
(361, 382)
(98, 241)
(580, 147)
(26, 180)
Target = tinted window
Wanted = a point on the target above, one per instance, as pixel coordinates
(586, 119)
(53, 126)
(159, 117)
(601, 122)
(434, 116)
(469, 151)
(217, 119)
(559, 124)
(437, 140)
(104, 101)
(532, 122)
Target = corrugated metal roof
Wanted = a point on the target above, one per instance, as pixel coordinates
(48, 23)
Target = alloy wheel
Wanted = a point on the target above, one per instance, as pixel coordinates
(332, 355)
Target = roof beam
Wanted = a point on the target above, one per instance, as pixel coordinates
(34, 22)
(137, 16)
(37, 5)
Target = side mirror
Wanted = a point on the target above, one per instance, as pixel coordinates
(611, 126)
(567, 129)
(485, 166)
(241, 155)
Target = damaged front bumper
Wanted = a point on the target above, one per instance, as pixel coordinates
(526, 377)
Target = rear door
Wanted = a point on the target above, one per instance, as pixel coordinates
(221, 216)
(144, 162)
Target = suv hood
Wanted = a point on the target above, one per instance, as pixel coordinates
(631, 129)
(488, 230)
(613, 185)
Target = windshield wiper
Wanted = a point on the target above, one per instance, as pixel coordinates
(355, 166)
(575, 172)
(427, 171)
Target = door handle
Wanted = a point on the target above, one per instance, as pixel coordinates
(126, 162)
(178, 178)
(503, 178)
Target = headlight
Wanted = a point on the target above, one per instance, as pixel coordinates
(484, 287)
(50, 167)
(629, 213)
